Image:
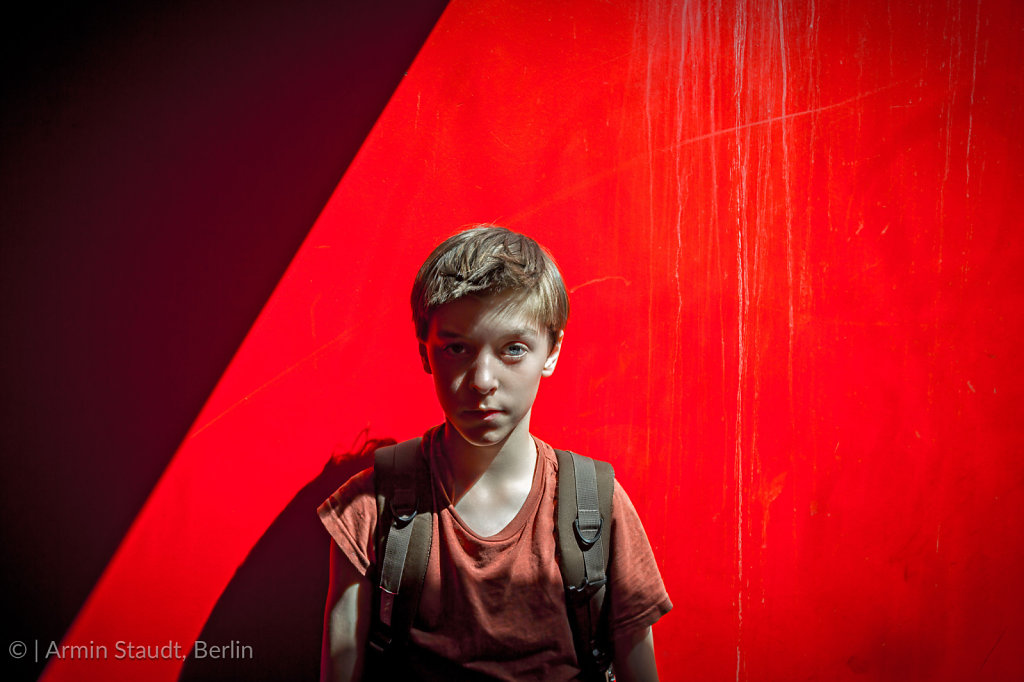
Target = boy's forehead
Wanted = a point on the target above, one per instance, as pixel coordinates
(506, 312)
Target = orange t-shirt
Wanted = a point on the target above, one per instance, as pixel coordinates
(496, 605)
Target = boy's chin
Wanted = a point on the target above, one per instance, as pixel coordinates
(483, 439)
(480, 437)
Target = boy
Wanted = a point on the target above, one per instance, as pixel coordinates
(489, 307)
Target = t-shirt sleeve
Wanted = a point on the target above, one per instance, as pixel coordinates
(350, 516)
(637, 592)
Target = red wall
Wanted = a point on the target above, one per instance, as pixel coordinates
(786, 231)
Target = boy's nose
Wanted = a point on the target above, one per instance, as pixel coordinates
(481, 376)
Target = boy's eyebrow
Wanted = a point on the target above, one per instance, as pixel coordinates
(524, 331)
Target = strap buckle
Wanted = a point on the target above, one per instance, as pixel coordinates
(579, 533)
(401, 520)
(581, 593)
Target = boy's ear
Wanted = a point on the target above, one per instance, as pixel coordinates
(552, 360)
(423, 358)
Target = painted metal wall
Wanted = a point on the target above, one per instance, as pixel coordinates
(788, 231)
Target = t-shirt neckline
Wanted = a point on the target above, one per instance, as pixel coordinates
(442, 500)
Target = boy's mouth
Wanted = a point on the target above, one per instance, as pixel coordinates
(483, 414)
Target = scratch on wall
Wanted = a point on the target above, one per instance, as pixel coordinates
(715, 227)
(312, 315)
(953, 68)
(742, 293)
(783, 69)
(650, 157)
(680, 183)
(970, 109)
(644, 26)
(309, 357)
(598, 280)
(769, 120)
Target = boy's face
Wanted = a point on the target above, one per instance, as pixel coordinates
(487, 358)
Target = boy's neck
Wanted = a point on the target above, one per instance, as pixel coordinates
(511, 458)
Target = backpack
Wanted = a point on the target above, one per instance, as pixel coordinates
(405, 529)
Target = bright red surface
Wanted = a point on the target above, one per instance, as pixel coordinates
(787, 232)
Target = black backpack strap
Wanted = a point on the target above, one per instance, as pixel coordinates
(404, 529)
(584, 540)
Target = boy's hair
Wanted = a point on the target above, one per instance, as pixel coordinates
(484, 260)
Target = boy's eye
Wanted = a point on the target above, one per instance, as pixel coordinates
(516, 350)
(455, 349)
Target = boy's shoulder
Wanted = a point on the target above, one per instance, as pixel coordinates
(355, 491)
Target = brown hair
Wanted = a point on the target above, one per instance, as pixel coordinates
(487, 259)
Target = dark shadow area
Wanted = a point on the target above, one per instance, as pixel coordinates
(160, 164)
(275, 602)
